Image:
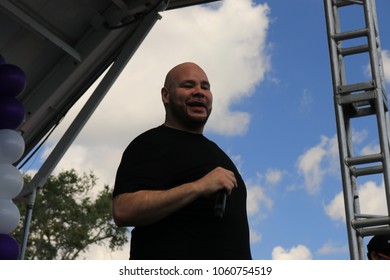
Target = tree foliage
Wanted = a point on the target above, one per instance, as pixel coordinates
(67, 219)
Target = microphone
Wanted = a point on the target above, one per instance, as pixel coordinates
(220, 204)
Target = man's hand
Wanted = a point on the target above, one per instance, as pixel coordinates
(217, 179)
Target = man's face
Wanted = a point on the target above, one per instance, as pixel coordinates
(187, 97)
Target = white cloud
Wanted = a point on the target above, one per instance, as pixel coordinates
(299, 252)
(359, 136)
(257, 200)
(332, 248)
(316, 162)
(273, 176)
(370, 149)
(309, 165)
(386, 64)
(79, 156)
(335, 209)
(258, 204)
(255, 237)
(372, 200)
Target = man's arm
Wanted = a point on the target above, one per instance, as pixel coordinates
(145, 207)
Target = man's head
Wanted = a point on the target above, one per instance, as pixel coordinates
(187, 98)
(379, 248)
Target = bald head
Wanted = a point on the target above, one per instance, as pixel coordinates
(174, 75)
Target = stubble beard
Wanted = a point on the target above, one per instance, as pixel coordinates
(189, 121)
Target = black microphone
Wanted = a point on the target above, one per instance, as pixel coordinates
(220, 204)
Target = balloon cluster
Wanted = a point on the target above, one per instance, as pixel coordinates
(12, 83)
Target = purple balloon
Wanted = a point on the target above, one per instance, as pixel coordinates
(9, 248)
(11, 113)
(13, 80)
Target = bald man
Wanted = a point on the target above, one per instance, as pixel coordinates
(171, 176)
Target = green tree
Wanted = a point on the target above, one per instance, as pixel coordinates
(66, 220)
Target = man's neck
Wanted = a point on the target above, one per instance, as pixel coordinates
(195, 130)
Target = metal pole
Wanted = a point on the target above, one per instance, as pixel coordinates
(27, 222)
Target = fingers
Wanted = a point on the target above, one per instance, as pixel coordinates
(230, 182)
(227, 179)
(217, 179)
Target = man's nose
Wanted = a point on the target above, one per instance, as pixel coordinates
(198, 92)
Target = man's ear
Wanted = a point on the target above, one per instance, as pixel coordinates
(165, 95)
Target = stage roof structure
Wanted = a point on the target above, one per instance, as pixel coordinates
(64, 46)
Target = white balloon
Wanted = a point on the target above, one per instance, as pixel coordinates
(11, 146)
(11, 181)
(9, 216)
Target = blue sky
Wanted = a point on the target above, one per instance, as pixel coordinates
(268, 63)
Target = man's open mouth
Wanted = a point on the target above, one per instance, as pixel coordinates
(196, 104)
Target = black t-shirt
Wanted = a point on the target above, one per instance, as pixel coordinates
(163, 158)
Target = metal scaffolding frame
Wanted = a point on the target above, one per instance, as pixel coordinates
(359, 101)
